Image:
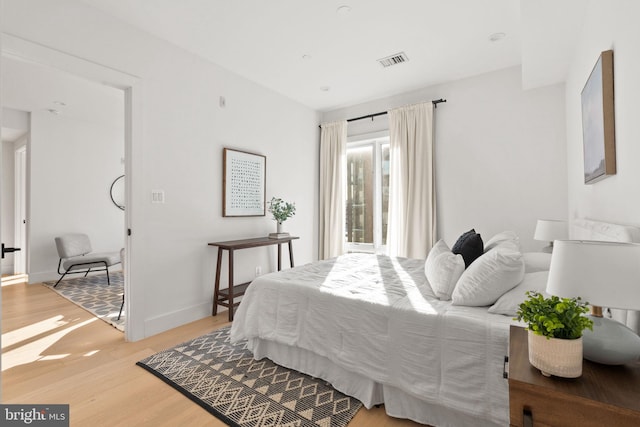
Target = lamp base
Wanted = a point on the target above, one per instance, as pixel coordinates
(610, 342)
(548, 249)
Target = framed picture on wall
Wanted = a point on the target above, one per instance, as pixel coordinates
(243, 183)
(598, 128)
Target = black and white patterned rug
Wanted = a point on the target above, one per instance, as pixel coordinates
(225, 380)
(94, 295)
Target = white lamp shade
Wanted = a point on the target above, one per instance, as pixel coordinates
(549, 230)
(605, 274)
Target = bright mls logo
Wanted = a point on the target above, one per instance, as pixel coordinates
(35, 415)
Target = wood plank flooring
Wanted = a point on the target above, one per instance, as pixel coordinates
(55, 352)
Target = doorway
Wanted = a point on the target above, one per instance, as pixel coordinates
(15, 129)
(105, 77)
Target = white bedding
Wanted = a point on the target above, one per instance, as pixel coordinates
(382, 321)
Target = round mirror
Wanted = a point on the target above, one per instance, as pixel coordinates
(117, 192)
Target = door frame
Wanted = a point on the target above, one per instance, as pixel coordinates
(25, 50)
(20, 240)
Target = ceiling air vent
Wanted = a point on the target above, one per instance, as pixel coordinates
(398, 58)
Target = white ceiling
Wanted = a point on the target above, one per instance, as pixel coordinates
(265, 41)
(34, 88)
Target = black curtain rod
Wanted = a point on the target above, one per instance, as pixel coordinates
(371, 116)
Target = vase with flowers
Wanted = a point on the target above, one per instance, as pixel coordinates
(281, 211)
(555, 328)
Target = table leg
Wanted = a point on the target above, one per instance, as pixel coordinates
(290, 254)
(279, 257)
(230, 285)
(216, 289)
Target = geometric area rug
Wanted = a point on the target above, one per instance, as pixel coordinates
(225, 380)
(94, 295)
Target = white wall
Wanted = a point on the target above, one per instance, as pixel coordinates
(500, 153)
(73, 164)
(180, 151)
(608, 25)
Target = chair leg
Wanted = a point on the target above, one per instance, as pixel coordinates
(121, 307)
(61, 277)
(106, 268)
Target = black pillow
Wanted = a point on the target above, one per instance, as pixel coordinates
(470, 246)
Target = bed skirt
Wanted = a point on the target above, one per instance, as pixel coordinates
(397, 403)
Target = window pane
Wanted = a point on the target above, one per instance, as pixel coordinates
(385, 191)
(360, 195)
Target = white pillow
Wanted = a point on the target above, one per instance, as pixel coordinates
(508, 303)
(488, 277)
(536, 261)
(443, 268)
(505, 236)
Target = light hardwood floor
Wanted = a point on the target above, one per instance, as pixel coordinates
(55, 352)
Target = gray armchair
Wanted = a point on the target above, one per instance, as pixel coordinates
(76, 256)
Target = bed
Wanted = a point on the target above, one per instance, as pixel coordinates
(374, 327)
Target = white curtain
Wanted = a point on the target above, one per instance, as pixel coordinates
(333, 165)
(412, 219)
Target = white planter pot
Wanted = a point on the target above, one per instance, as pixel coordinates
(280, 228)
(553, 356)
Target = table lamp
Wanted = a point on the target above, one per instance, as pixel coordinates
(605, 274)
(549, 230)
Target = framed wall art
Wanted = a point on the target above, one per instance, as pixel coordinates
(598, 128)
(243, 183)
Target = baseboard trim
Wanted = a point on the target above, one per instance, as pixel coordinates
(48, 276)
(44, 276)
(164, 322)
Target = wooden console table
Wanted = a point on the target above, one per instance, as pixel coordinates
(225, 297)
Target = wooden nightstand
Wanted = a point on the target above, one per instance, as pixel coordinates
(603, 396)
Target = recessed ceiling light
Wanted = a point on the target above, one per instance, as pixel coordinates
(53, 111)
(497, 37)
(325, 88)
(306, 57)
(60, 103)
(343, 10)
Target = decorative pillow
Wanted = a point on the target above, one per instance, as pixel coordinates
(490, 276)
(506, 244)
(536, 261)
(505, 236)
(443, 268)
(470, 246)
(508, 303)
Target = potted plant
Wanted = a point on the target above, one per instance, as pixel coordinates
(555, 328)
(281, 211)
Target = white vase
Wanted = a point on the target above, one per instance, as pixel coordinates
(279, 228)
(554, 356)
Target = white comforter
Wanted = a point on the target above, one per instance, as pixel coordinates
(377, 316)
